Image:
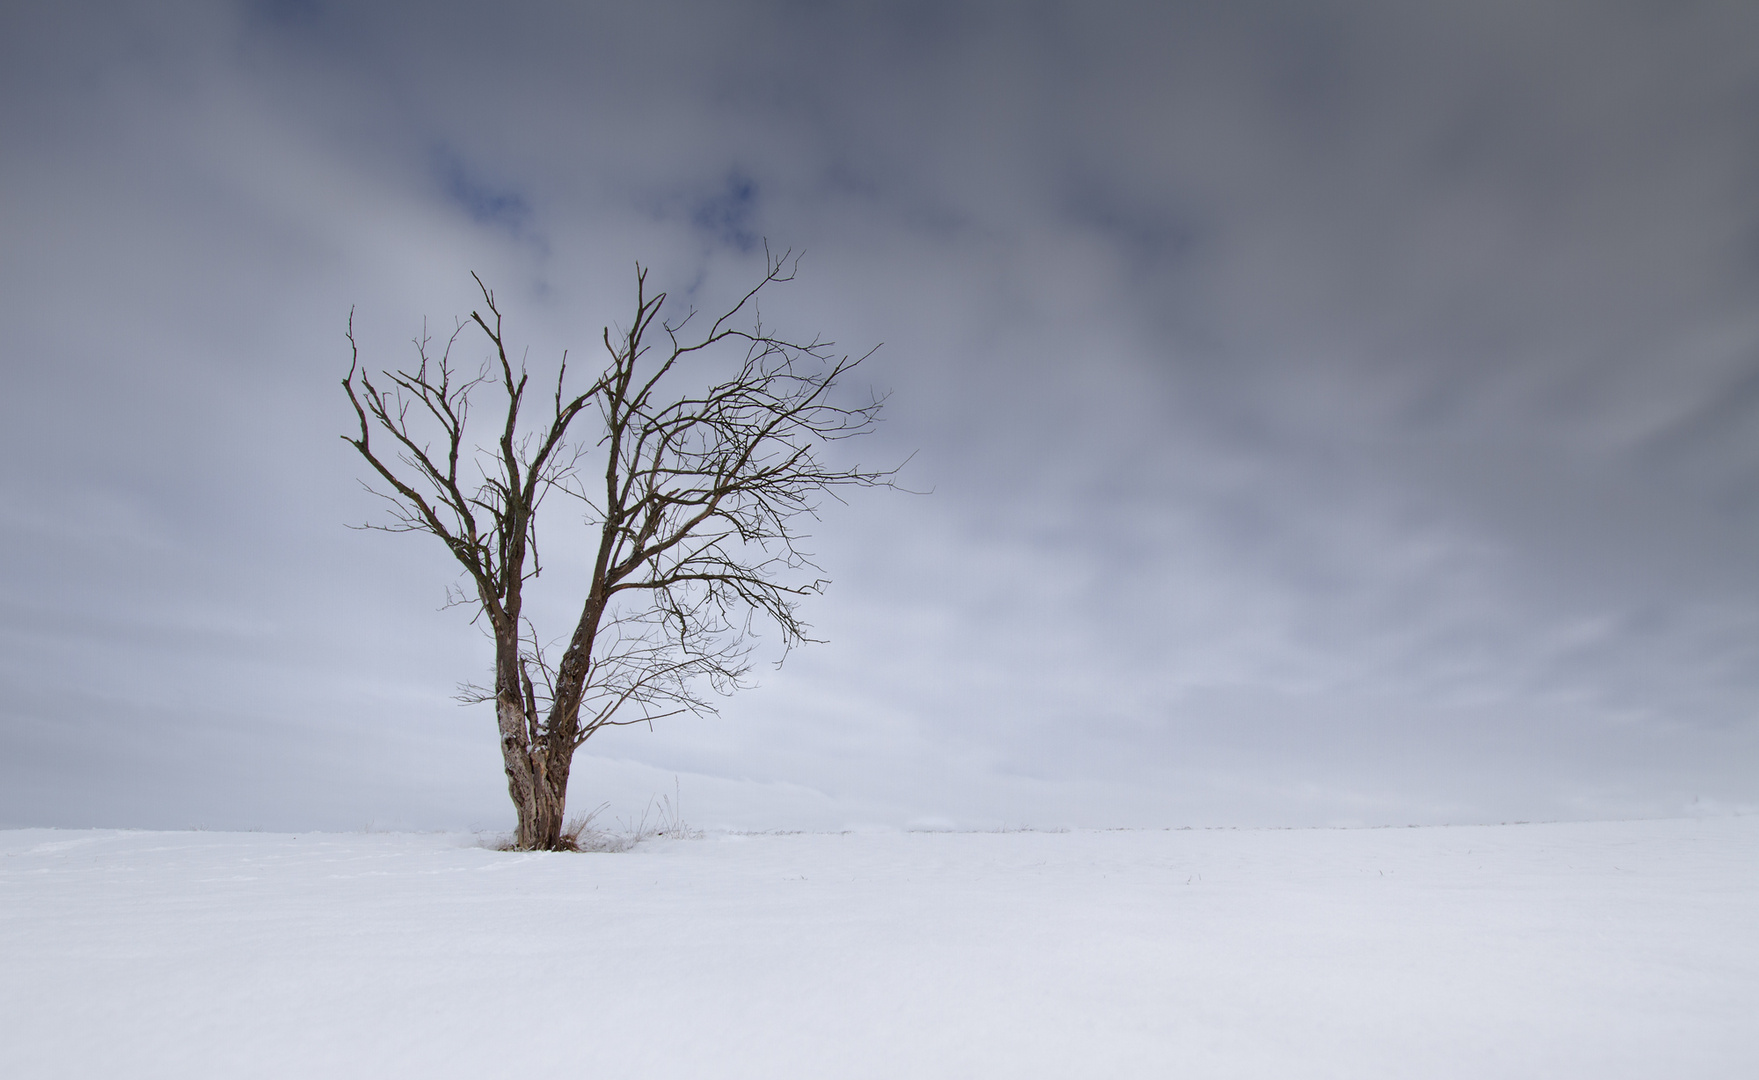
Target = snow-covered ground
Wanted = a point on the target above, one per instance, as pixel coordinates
(1601, 950)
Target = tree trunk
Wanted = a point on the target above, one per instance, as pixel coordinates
(537, 781)
(537, 772)
(551, 765)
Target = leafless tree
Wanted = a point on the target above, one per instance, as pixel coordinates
(705, 483)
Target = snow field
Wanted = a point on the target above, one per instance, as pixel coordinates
(1598, 950)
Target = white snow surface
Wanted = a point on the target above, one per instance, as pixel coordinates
(1603, 950)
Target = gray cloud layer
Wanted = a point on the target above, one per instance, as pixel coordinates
(1335, 412)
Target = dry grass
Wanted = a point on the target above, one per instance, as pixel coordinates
(662, 819)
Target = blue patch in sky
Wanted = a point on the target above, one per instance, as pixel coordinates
(1154, 238)
(726, 215)
(486, 203)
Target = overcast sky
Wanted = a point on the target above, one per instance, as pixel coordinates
(1332, 412)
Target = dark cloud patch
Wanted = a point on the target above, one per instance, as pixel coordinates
(287, 14)
(1156, 239)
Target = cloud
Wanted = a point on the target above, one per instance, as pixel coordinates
(1337, 410)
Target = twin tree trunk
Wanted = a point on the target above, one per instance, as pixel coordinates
(537, 758)
(537, 777)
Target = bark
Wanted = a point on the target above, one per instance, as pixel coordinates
(537, 781)
(537, 775)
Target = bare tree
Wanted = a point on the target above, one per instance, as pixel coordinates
(704, 485)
